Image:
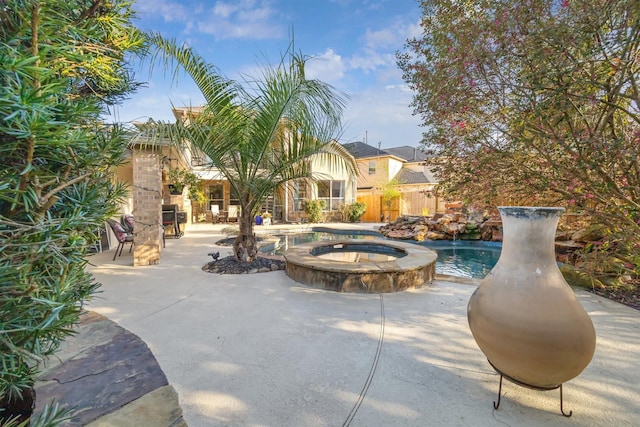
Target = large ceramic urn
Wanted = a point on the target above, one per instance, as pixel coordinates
(524, 316)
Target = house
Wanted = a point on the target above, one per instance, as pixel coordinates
(151, 163)
(394, 182)
(287, 204)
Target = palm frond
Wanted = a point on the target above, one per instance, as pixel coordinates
(259, 134)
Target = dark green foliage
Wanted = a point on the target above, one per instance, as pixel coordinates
(61, 63)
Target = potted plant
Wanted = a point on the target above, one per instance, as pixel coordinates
(175, 181)
(180, 178)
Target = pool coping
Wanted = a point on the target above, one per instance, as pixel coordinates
(411, 271)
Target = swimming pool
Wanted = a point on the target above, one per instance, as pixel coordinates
(473, 259)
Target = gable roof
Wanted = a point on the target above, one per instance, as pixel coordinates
(408, 176)
(361, 150)
(409, 154)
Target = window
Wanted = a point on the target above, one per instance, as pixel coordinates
(299, 195)
(372, 167)
(216, 196)
(332, 192)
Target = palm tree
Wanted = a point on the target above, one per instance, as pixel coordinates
(259, 134)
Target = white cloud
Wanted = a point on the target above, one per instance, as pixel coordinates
(170, 11)
(393, 36)
(244, 19)
(384, 114)
(328, 67)
(378, 54)
(414, 30)
(371, 61)
(384, 38)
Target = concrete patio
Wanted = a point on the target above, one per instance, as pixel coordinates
(263, 350)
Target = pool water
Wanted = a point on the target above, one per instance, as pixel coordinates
(465, 261)
(461, 258)
(288, 240)
(356, 256)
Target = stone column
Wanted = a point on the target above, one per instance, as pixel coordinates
(147, 208)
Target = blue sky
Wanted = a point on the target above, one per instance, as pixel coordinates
(352, 42)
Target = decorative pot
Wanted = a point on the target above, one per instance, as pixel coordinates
(175, 190)
(524, 316)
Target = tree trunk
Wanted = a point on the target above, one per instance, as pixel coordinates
(245, 248)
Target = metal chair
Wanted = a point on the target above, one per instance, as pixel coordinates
(122, 235)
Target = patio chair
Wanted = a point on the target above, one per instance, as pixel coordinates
(122, 235)
(234, 213)
(128, 223)
(215, 211)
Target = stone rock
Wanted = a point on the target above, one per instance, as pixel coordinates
(229, 265)
(592, 233)
(475, 216)
(264, 269)
(150, 409)
(492, 223)
(563, 235)
(452, 225)
(420, 235)
(581, 278)
(400, 234)
(434, 235)
(450, 228)
(86, 379)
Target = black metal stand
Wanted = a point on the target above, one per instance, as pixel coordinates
(496, 405)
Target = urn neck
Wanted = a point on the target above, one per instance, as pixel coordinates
(529, 232)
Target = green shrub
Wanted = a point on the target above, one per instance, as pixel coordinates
(356, 210)
(57, 180)
(313, 209)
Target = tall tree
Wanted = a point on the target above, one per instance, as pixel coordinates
(259, 133)
(534, 101)
(62, 63)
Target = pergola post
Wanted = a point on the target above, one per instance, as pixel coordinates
(147, 208)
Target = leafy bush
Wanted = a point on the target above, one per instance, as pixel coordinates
(356, 210)
(180, 178)
(313, 209)
(57, 163)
